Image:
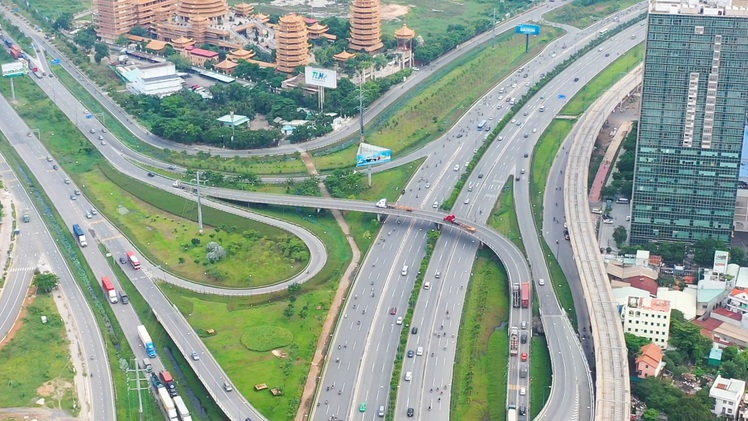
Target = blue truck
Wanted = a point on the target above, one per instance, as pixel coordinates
(79, 235)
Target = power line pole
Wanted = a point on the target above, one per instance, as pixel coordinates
(361, 105)
(199, 206)
(138, 386)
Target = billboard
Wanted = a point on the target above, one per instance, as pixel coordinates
(369, 155)
(14, 69)
(320, 77)
(720, 261)
(527, 29)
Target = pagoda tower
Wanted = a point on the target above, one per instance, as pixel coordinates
(292, 42)
(366, 26)
(404, 38)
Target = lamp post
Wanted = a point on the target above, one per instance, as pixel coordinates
(199, 204)
(233, 124)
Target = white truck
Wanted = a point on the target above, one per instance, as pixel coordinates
(168, 403)
(184, 413)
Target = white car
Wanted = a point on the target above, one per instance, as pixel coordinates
(523, 391)
(535, 130)
(541, 282)
(399, 320)
(457, 167)
(427, 185)
(435, 205)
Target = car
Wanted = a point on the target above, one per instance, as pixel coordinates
(411, 353)
(576, 79)
(527, 84)
(526, 135)
(525, 114)
(435, 205)
(526, 154)
(427, 185)
(565, 225)
(88, 215)
(597, 211)
(414, 330)
(541, 282)
(600, 49)
(514, 120)
(524, 356)
(85, 111)
(517, 178)
(457, 167)
(94, 211)
(77, 192)
(535, 130)
(150, 174)
(607, 54)
(514, 85)
(522, 410)
(49, 159)
(399, 320)
(500, 97)
(103, 143)
(103, 130)
(523, 325)
(523, 391)
(522, 171)
(55, 167)
(227, 387)
(467, 201)
(628, 217)
(393, 310)
(73, 197)
(67, 181)
(437, 274)
(124, 298)
(523, 338)
(459, 135)
(411, 412)
(195, 356)
(123, 260)
(51, 75)
(362, 407)
(500, 138)
(519, 123)
(480, 175)
(553, 55)
(92, 131)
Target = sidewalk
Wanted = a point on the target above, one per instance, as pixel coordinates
(604, 171)
(315, 371)
(6, 231)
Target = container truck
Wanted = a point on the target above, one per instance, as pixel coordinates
(111, 293)
(515, 295)
(78, 232)
(181, 408)
(511, 413)
(513, 341)
(168, 404)
(525, 294)
(133, 259)
(453, 220)
(382, 203)
(150, 349)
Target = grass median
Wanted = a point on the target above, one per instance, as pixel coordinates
(540, 383)
(480, 375)
(582, 15)
(503, 217)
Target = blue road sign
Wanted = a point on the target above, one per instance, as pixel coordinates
(56, 61)
(561, 96)
(527, 29)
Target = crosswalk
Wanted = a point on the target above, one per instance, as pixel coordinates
(23, 269)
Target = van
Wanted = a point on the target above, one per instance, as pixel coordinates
(419, 351)
(404, 271)
(408, 376)
(427, 285)
(622, 200)
(380, 413)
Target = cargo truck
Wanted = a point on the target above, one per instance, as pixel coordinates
(146, 365)
(453, 220)
(515, 295)
(150, 349)
(525, 294)
(169, 383)
(513, 341)
(382, 203)
(168, 404)
(182, 410)
(109, 290)
(78, 232)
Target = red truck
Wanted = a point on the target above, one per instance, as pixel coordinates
(169, 383)
(15, 51)
(108, 286)
(525, 294)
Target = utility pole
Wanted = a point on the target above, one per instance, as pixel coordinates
(233, 124)
(138, 386)
(361, 105)
(493, 30)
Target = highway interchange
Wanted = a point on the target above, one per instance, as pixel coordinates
(406, 242)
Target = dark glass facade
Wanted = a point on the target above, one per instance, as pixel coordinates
(691, 127)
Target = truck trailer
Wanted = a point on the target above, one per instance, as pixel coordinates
(168, 403)
(150, 349)
(452, 219)
(525, 294)
(513, 341)
(382, 203)
(515, 295)
(133, 259)
(181, 408)
(79, 235)
(109, 290)
(168, 380)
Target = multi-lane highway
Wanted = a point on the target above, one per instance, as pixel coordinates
(389, 290)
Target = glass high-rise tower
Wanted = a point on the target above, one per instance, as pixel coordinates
(692, 125)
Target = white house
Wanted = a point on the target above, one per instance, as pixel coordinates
(154, 79)
(647, 318)
(727, 394)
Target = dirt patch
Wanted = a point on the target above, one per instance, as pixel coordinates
(19, 323)
(54, 389)
(393, 11)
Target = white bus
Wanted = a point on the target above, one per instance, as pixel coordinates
(603, 31)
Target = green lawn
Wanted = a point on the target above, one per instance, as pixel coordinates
(479, 385)
(503, 217)
(603, 81)
(54, 8)
(583, 16)
(36, 361)
(548, 146)
(420, 116)
(540, 374)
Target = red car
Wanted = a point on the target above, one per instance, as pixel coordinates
(393, 310)
(524, 356)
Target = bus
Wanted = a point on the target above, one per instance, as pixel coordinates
(133, 260)
(482, 124)
(603, 31)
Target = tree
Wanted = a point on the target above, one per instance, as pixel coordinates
(730, 353)
(46, 282)
(86, 38)
(102, 50)
(140, 31)
(651, 414)
(65, 21)
(687, 337)
(620, 235)
(634, 344)
(703, 251)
